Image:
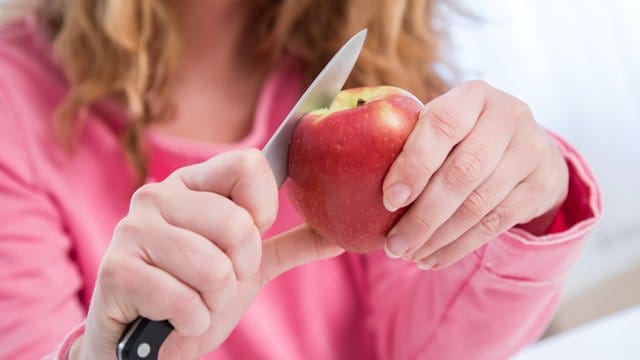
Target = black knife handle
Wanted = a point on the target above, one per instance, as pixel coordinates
(142, 339)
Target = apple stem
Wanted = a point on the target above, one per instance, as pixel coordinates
(360, 101)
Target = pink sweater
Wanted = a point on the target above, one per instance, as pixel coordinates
(58, 212)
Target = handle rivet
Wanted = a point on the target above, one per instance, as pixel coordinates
(143, 350)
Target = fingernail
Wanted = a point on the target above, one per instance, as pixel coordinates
(428, 264)
(396, 196)
(395, 247)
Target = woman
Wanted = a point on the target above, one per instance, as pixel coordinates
(129, 188)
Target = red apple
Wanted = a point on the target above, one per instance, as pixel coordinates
(338, 159)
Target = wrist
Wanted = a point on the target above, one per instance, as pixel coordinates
(75, 351)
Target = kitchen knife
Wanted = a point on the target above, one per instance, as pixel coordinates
(143, 338)
(318, 95)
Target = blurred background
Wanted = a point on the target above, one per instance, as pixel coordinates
(577, 64)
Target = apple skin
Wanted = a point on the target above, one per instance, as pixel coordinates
(338, 159)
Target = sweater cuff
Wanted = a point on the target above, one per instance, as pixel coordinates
(523, 257)
(62, 353)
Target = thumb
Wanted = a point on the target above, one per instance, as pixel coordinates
(101, 333)
(293, 248)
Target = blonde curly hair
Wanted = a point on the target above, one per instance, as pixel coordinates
(130, 47)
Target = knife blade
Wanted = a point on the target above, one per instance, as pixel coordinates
(143, 338)
(319, 94)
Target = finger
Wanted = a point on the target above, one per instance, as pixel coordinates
(510, 171)
(294, 248)
(225, 224)
(443, 123)
(194, 260)
(552, 179)
(468, 166)
(134, 288)
(243, 176)
(177, 346)
(507, 214)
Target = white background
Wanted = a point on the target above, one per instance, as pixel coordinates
(577, 64)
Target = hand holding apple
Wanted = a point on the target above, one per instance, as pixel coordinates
(474, 165)
(338, 159)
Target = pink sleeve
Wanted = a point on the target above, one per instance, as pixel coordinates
(39, 281)
(492, 303)
(64, 348)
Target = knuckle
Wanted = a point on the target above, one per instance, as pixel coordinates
(491, 224)
(419, 221)
(542, 191)
(542, 186)
(221, 273)
(477, 203)
(416, 162)
(250, 160)
(128, 228)
(534, 187)
(444, 123)
(146, 193)
(242, 227)
(229, 218)
(254, 154)
(113, 273)
(540, 148)
(222, 284)
(464, 170)
(479, 86)
(203, 274)
(521, 109)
